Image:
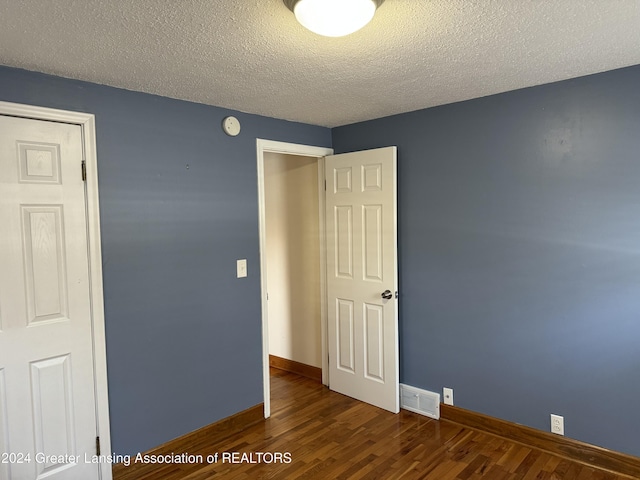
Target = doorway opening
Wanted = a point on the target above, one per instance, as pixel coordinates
(293, 263)
(292, 258)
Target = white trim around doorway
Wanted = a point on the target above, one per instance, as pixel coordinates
(264, 146)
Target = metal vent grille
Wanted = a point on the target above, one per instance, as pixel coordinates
(420, 401)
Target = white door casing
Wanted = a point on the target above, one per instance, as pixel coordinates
(361, 229)
(53, 397)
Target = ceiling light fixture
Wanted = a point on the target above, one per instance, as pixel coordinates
(333, 18)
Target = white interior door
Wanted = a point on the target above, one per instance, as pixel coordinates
(362, 276)
(47, 406)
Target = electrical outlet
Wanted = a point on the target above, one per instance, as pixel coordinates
(241, 268)
(557, 424)
(447, 395)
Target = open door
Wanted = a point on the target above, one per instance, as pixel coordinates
(362, 276)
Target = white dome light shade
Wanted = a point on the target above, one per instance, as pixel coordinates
(334, 18)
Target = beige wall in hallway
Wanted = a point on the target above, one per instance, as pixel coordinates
(293, 257)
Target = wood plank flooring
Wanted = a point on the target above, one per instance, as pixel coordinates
(330, 436)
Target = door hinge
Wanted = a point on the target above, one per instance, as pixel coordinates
(325, 185)
(97, 445)
(84, 170)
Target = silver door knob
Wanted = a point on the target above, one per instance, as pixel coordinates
(387, 295)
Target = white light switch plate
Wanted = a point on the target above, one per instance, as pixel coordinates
(241, 267)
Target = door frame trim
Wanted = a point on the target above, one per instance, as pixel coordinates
(271, 146)
(86, 122)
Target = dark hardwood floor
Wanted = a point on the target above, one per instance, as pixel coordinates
(330, 436)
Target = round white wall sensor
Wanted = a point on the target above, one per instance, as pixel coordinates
(231, 126)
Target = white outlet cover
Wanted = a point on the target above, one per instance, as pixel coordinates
(557, 424)
(447, 396)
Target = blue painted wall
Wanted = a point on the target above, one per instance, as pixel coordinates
(183, 334)
(519, 238)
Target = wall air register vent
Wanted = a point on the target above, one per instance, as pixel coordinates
(420, 401)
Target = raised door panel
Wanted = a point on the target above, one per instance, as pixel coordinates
(52, 402)
(39, 163)
(345, 335)
(344, 242)
(343, 181)
(44, 259)
(373, 342)
(372, 177)
(372, 242)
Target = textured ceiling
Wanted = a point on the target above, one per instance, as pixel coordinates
(252, 55)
